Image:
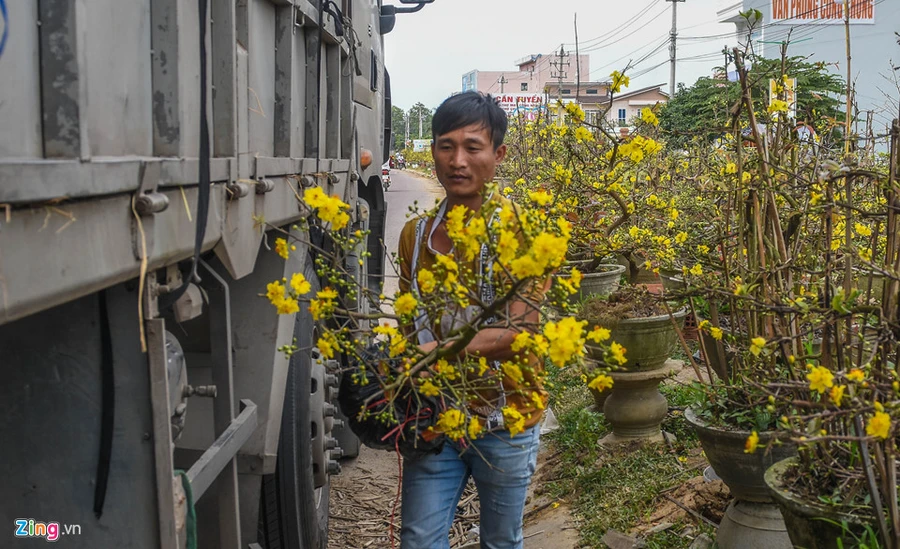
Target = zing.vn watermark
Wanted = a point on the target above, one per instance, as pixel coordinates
(30, 528)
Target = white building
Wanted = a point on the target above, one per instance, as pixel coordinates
(815, 29)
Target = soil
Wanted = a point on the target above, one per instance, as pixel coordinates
(706, 498)
(630, 302)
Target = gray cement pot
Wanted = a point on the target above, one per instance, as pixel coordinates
(648, 342)
(810, 525)
(743, 473)
(601, 283)
(752, 520)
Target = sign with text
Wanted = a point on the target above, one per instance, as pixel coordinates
(792, 12)
(528, 105)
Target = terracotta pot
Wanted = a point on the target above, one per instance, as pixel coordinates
(811, 525)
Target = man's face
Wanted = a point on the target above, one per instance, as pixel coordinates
(465, 159)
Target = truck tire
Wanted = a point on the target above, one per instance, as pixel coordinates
(293, 513)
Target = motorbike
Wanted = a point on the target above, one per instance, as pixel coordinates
(385, 177)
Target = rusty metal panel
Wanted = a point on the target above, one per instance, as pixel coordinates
(333, 101)
(20, 97)
(224, 101)
(287, 101)
(63, 79)
(261, 84)
(118, 76)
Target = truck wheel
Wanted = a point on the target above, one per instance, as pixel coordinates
(293, 512)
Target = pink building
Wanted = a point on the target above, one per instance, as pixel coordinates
(534, 72)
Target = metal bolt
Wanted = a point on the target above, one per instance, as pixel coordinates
(333, 467)
(328, 409)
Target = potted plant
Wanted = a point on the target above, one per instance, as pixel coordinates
(644, 327)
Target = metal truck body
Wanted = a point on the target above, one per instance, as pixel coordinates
(107, 388)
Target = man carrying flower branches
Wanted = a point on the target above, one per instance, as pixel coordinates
(494, 438)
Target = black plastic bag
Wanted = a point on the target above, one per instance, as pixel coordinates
(410, 413)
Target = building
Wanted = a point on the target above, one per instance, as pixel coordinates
(628, 104)
(592, 96)
(533, 72)
(816, 31)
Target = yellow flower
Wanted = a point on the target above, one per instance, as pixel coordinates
(429, 389)
(716, 333)
(507, 246)
(879, 425)
(541, 198)
(525, 266)
(752, 443)
(275, 292)
(619, 81)
(703, 249)
(537, 400)
(299, 284)
(317, 309)
(601, 383)
(820, 379)
(287, 307)
(756, 345)
(385, 329)
(777, 105)
(330, 209)
(327, 344)
(282, 248)
(681, 237)
(426, 281)
(566, 340)
(583, 134)
(730, 168)
(405, 304)
(836, 394)
(697, 270)
(445, 369)
(617, 352)
(512, 371)
(475, 428)
(397, 346)
(327, 293)
(856, 375)
(513, 420)
(521, 341)
(598, 334)
(649, 117)
(862, 230)
(452, 423)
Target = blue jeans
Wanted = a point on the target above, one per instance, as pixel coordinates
(432, 485)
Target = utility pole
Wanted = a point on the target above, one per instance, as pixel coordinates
(420, 123)
(406, 137)
(559, 66)
(502, 81)
(672, 37)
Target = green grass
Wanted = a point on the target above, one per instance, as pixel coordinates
(615, 488)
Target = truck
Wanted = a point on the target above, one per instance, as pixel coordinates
(148, 151)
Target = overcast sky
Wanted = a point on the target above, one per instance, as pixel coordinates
(428, 52)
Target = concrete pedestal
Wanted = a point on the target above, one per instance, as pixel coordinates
(635, 408)
(749, 525)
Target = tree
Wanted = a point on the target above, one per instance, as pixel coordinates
(704, 109)
(398, 128)
(415, 112)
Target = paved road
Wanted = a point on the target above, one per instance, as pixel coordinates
(408, 189)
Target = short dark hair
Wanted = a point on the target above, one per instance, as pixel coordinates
(469, 108)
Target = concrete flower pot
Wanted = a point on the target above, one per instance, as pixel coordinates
(743, 473)
(811, 525)
(752, 520)
(648, 341)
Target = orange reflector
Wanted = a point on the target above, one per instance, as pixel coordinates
(365, 158)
